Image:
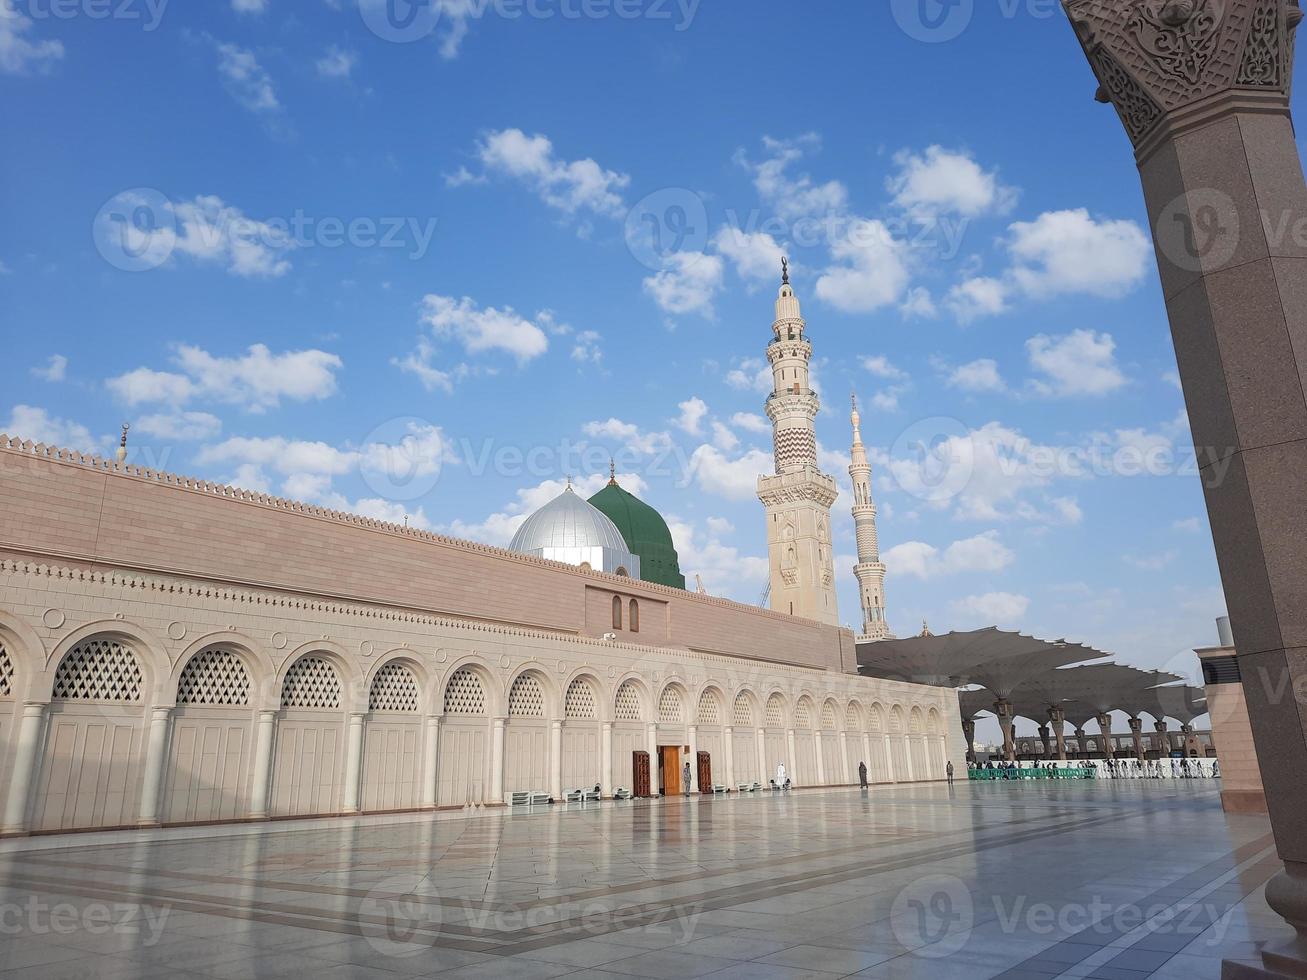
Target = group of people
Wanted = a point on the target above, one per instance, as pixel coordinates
(1117, 768)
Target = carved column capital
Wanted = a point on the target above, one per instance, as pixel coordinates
(1168, 66)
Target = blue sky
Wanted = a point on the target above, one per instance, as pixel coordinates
(281, 244)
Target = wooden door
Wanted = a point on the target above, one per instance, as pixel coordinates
(641, 766)
(670, 757)
(705, 772)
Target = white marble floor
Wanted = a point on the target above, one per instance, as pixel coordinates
(1028, 881)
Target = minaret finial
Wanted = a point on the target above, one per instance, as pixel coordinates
(121, 454)
(612, 472)
(569, 481)
(785, 270)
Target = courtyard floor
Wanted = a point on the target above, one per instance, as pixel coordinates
(1028, 881)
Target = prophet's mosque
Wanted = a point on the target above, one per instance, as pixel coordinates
(174, 651)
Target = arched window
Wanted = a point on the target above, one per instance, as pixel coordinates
(628, 702)
(617, 612)
(580, 701)
(635, 616)
(395, 688)
(99, 670)
(670, 711)
(6, 673)
(214, 676)
(526, 698)
(311, 682)
(464, 694)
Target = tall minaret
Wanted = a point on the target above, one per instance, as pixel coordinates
(869, 570)
(799, 497)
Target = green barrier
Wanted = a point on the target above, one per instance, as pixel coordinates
(1064, 772)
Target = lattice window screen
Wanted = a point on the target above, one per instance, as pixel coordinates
(580, 701)
(852, 719)
(214, 676)
(99, 670)
(875, 720)
(828, 717)
(803, 714)
(670, 709)
(464, 695)
(395, 688)
(628, 703)
(6, 673)
(526, 698)
(775, 716)
(915, 725)
(311, 682)
(709, 711)
(743, 711)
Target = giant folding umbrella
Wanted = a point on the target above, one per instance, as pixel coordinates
(1051, 691)
(971, 704)
(1102, 687)
(1135, 700)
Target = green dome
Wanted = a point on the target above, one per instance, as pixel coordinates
(645, 532)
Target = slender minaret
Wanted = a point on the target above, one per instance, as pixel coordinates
(799, 497)
(869, 570)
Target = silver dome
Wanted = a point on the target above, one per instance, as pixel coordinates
(571, 530)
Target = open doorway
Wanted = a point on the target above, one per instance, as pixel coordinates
(669, 769)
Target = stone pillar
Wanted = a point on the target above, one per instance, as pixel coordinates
(1163, 740)
(894, 775)
(728, 749)
(1105, 736)
(26, 756)
(262, 780)
(606, 761)
(791, 764)
(497, 761)
(1003, 710)
(1057, 721)
(763, 774)
(1047, 739)
(1203, 90)
(556, 760)
(431, 764)
(1080, 741)
(866, 756)
(651, 740)
(1136, 734)
(819, 740)
(692, 736)
(156, 757)
(354, 763)
(844, 755)
(969, 733)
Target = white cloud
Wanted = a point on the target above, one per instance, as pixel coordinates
(1079, 363)
(941, 180)
(498, 528)
(977, 297)
(258, 381)
(569, 186)
(38, 425)
(751, 423)
(336, 62)
(179, 426)
(1152, 563)
(793, 197)
(629, 436)
(996, 608)
(586, 349)
(751, 374)
(56, 369)
(481, 330)
(870, 269)
(734, 479)
(1172, 378)
(249, 6)
(979, 375)
(1189, 525)
(723, 438)
(1070, 252)
(917, 559)
(688, 284)
(880, 366)
(918, 303)
(18, 55)
(246, 80)
(289, 457)
(724, 570)
(693, 412)
(755, 255)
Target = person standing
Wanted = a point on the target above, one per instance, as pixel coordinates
(948, 770)
(685, 779)
(862, 774)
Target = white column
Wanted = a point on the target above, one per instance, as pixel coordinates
(156, 749)
(20, 782)
(792, 763)
(497, 762)
(556, 759)
(763, 775)
(606, 761)
(353, 763)
(263, 740)
(728, 749)
(651, 737)
(844, 755)
(907, 757)
(431, 764)
(692, 735)
(890, 770)
(820, 739)
(866, 757)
